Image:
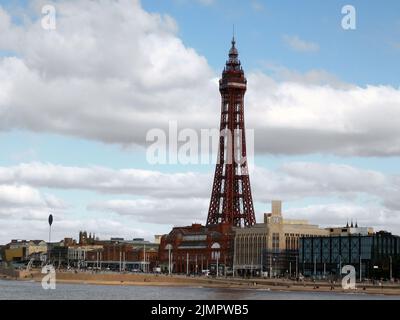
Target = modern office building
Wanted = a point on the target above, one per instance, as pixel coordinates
(372, 255)
(271, 246)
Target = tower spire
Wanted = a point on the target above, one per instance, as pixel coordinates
(233, 62)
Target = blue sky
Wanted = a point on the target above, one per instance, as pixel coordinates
(66, 104)
(364, 56)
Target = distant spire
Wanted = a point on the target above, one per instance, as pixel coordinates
(352, 223)
(347, 224)
(356, 224)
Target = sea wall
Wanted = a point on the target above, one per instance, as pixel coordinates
(16, 274)
(9, 272)
(112, 277)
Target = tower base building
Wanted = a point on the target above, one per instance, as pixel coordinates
(197, 249)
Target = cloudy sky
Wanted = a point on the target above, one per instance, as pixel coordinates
(77, 102)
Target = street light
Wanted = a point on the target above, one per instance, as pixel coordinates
(187, 263)
(315, 265)
(270, 265)
(169, 247)
(217, 265)
(144, 257)
(274, 267)
(50, 223)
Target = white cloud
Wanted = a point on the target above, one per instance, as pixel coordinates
(178, 212)
(112, 71)
(291, 181)
(19, 195)
(317, 77)
(301, 118)
(167, 199)
(297, 44)
(27, 203)
(366, 216)
(106, 180)
(182, 198)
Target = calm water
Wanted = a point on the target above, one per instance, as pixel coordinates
(33, 290)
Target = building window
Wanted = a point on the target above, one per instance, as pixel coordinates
(215, 254)
(275, 242)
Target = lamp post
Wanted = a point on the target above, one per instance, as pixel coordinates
(274, 270)
(261, 263)
(120, 260)
(144, 257)
(50, 220)
(169, 260)
(187, 263)
(217, 265)
(169, 247)
(270, 266)
(315, 265)
(225, 266)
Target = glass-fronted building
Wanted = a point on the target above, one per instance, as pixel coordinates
(376, 255)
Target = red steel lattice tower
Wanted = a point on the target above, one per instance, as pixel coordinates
(231, 200)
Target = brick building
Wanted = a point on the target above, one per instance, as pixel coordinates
(137, 254)
(195, 248)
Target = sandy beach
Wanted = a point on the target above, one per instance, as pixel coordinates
(130, 279)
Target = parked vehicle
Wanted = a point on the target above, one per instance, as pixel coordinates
(205, 273)
(157, 270)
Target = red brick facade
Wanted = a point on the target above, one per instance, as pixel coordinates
(196, 248)
(113, 252)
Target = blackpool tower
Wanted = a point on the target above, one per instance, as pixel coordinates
(231, 201)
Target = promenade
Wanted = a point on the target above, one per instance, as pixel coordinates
(139, 279)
